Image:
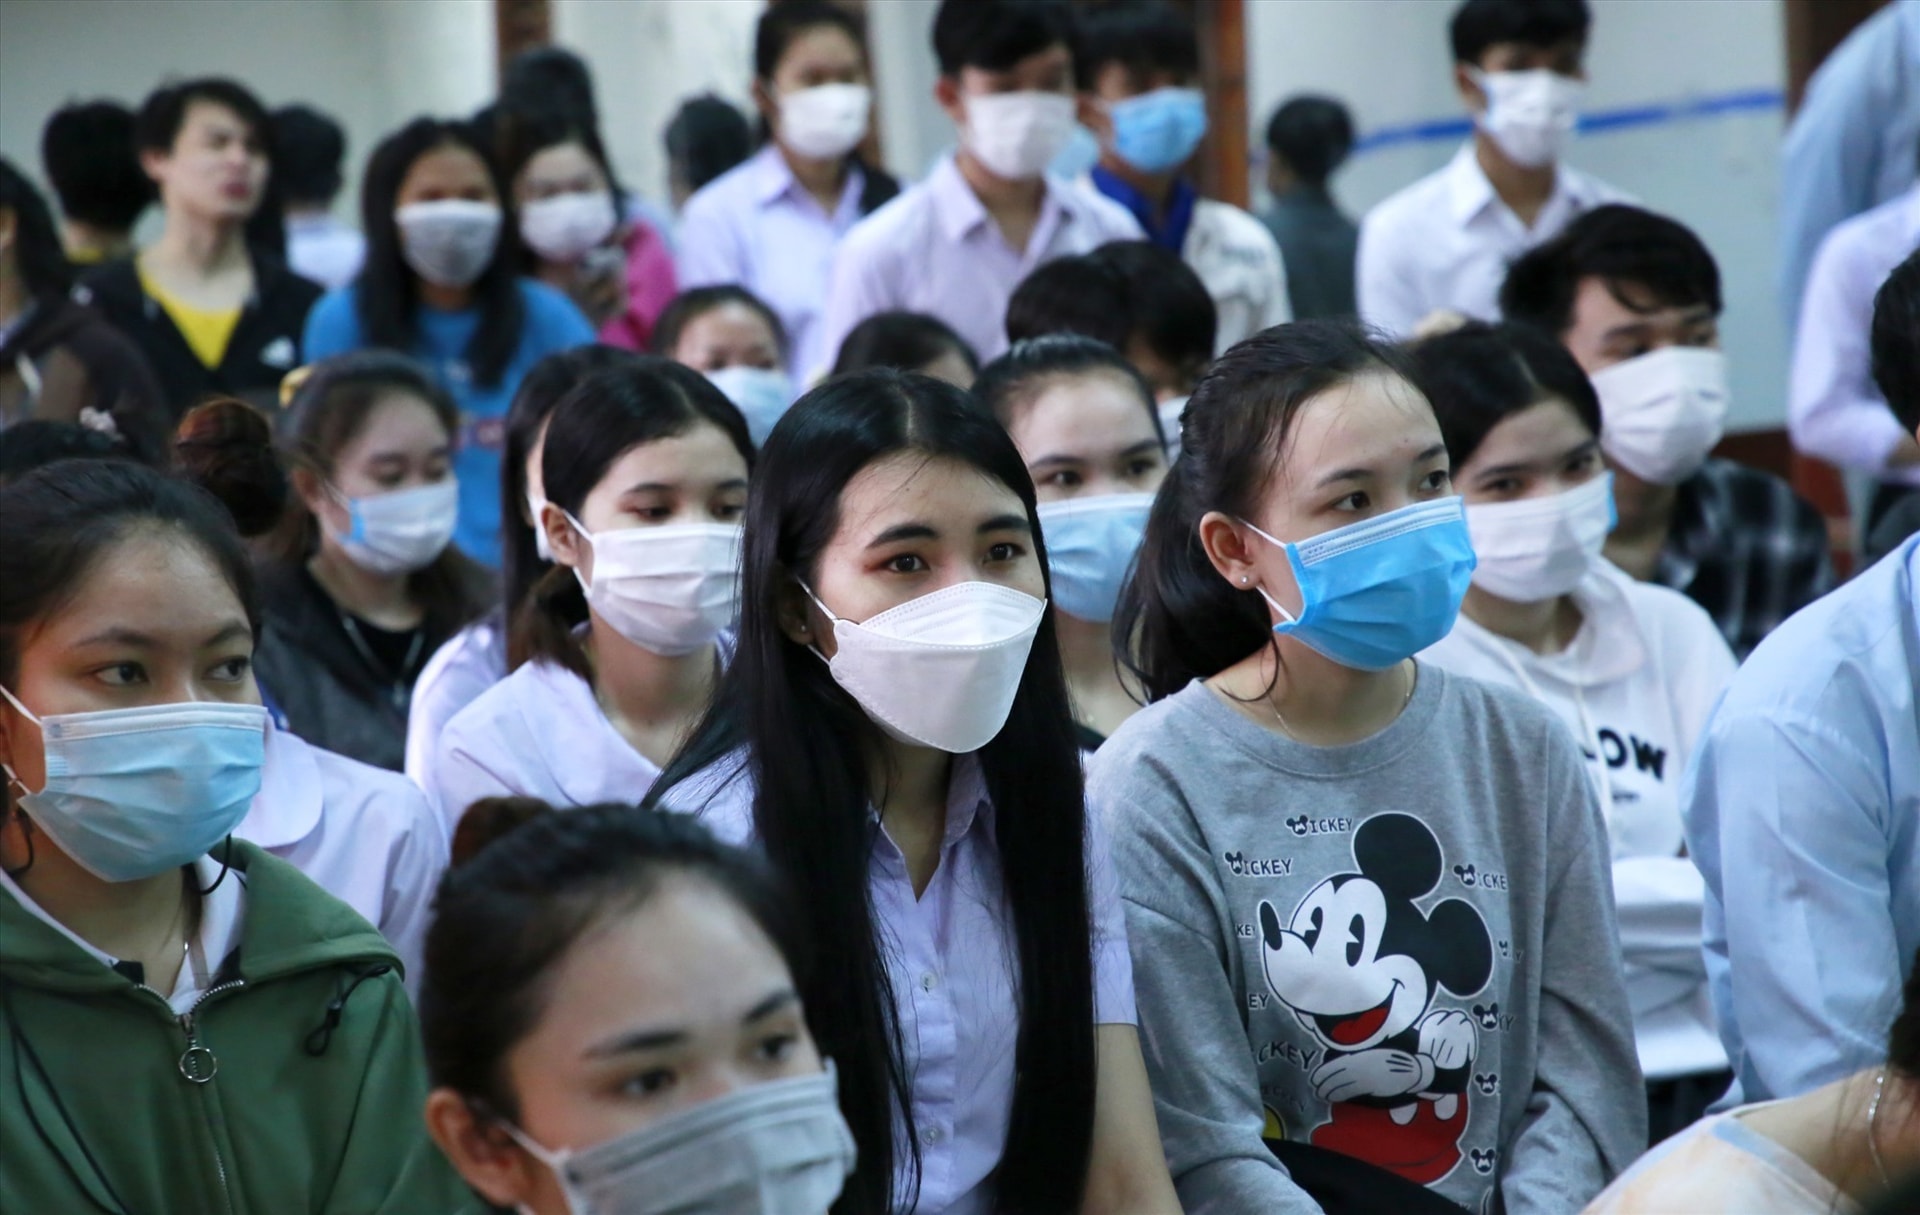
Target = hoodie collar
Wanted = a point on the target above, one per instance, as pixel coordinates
(1608, 646)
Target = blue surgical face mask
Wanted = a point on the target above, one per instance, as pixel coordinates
(135, 792)
(1157, 131)
(1379, 591)
(761, 394)
(1091, 543)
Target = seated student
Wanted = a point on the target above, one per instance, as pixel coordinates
(706, 137)
(644, 468)
(88, 153)
(1085, 424)
(59, 361)
(613, 1021)
(308, 148)
(1803, 804)
(1632, 668)
(1367, 899)
(158, 971)
(772, 224)
(908, 341)
(731, 336)
(1307, 139)
(1837, 1148)
(439, 285)
(1444, 242)
(482, 654)
(1636, 298)
(212, 315)
(895, 736)
(1138, 63)
(362, 584)
(956, 244)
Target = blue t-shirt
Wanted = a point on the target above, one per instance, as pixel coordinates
(551, 323)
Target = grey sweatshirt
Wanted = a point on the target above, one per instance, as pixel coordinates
(1401, 949)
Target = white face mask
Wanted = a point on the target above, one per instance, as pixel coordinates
(942, 670)
(825, 122)
(780, 1148)
(542, 547)
(1540, 548)
(563, 227)
(1171, 412)
(1661, 413)
(400, 532)
(1530, 115)
(1017, 135)
(450, 241)
(761, 394)
(668, 589)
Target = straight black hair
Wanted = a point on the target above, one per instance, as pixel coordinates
(1010, 383)
(806, 743)
(1122, 292)
(36, 242)
(521, 135)
(905, 341)
(164, 112)
(1146, 37)
(550, 78)
(1187, 621)
(387, 293)
(1312, 136)
(996, 34)
(38, 442)
(1479, 24)
(87, 150)
(778, 27)
(1478, 375)
(1895, 342)
(602, 417)
(527, 883)
(1646, 261)
(707, 136)
(310, 147)
(683, 309)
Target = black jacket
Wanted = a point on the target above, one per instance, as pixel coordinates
(265, 345)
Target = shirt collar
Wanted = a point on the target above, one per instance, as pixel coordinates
(771, 176)
(1469, 192)
(967, 803)
(955, 205)
(1168, 234)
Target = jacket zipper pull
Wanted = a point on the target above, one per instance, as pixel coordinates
(197, 1063)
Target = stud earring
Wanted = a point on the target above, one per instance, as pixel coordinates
(1244, 580)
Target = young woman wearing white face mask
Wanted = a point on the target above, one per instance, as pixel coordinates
(645, 474)
(732, 337)
(441, 283)
(772, 224)
(894, 733)
(1085, 423)
(1633, 669)
(190, 1025)
(1367, 900)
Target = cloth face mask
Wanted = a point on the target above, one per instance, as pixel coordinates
(780, 1148)
(942, 670)
(1379, 591)
(826, 121)
(450, 242)
(1091, 544)
(1662, 412)
(403, 531)
(1540, 548)
(761, 394)
(1017, 135)
(131, 793)
(562, 227)
(668, 589)
(1530, 115)
(1158, 131)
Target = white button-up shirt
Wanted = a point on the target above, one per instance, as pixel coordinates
(1446, 242)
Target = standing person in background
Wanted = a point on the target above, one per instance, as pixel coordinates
(1307, 139)
(732, 337)
(87, 151)
(441, 283)
(308, 150)
(704, 139)
(908, 341)
(212, 315)
(1635, 297)
(1444, 242)
(957, 244)
(1138, 63)
(772, 224)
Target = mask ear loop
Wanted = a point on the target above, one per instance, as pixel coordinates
(1277, 606)
(825, 610)
(14, 782)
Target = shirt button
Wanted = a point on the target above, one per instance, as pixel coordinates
(930, 1136)
(929, 981)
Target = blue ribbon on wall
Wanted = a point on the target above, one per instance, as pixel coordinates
(1623, 118)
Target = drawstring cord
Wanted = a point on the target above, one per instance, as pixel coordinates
(322, 1035)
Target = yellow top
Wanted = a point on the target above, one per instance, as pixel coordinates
(207, 330)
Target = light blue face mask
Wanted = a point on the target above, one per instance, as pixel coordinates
(1379, 591)
(759, 393)
(135, 792)
(1091, 543)
(1157, 131)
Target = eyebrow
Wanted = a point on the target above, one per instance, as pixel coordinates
(925, 531)
(1695, 315)
(654, 1039)
(121, 636)
(1363, 474)
(1521, 466)
(1143, 446)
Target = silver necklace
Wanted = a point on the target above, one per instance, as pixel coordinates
(1288, 730)
(1873, 1128)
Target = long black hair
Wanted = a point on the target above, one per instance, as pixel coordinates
(387, 293)
(36, 242)
(780, 25)
(806, 742)
(1186, 622)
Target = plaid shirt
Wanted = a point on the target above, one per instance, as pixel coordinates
(1747, 548)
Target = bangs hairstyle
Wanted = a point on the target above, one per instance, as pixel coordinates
(993, 35)
(1188, 622)
(521, 135)
(1480, 24)
(1479, 375)
(164, 113)
(1121, 293)
(598, 420)
(1010, 384)
(806, 742)
(689, 306)
(1647, 262)
(387, 292)
(1895, 342)
(904, 341)
(1146, 37)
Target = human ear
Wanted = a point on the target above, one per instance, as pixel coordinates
(1230, 549)
(484, 1155)
(798, 618)
(564, 542)
(946, 95)
(1469, 90)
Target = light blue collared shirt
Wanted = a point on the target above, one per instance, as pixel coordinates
(757, 226)
(1803, 813)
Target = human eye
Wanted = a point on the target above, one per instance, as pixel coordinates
(777, 1047)
(1005, 550)
(1142, 467)
(649, 1083)
(1355, 501)
(1584, 462)
(728, 512)
(1502, 487)
(1064, 478)
(122, 674)
(907, 563)
(1436, 482)
(233, 670)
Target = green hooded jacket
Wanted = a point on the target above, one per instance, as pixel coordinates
(310, 1089)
